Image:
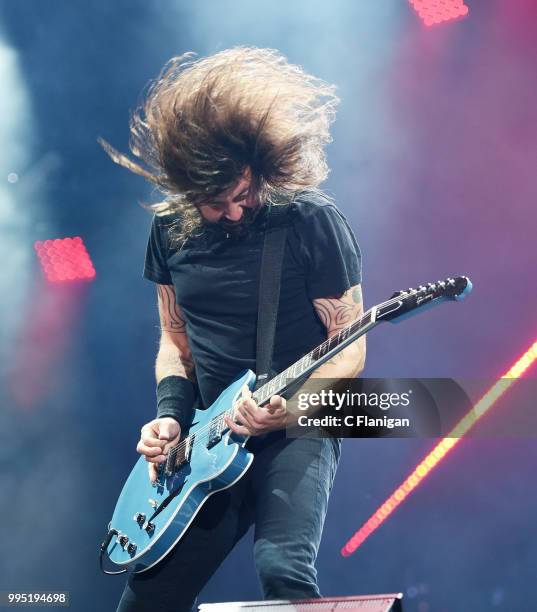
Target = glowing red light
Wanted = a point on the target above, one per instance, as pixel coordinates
(65, 260)
(437, 11)
(441, 449)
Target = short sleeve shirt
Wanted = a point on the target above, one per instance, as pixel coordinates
(216, 282)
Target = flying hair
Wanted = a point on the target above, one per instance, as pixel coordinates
(204, 121)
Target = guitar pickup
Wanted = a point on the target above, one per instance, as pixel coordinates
(215, 432)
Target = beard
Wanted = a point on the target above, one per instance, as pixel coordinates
(239, 229)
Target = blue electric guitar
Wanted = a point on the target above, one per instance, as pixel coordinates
(150, 518)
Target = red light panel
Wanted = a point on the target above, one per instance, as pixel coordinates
(65, 260)
(437, 11)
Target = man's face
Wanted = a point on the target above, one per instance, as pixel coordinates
(233, 209)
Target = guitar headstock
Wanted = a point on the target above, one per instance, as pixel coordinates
(406, 302)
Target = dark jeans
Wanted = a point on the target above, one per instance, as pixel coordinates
(285, 494)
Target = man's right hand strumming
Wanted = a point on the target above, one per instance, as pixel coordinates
(156, 438)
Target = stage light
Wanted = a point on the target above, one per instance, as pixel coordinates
(440, 450)
(437, 11)
(65, 260)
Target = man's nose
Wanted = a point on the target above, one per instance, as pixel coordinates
(233, 212)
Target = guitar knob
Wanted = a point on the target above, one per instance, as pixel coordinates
(131, 548)
(153, 503)
(150, 527)
(139, 517)
(122, 540)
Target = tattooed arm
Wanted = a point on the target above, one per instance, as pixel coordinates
(174, 357)
(336, 313)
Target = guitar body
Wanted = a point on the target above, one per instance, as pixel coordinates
(212, 466)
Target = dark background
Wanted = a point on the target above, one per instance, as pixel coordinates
(433, 162)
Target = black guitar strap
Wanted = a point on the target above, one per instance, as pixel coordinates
(269, 290)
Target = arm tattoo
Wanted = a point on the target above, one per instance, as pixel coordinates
(337, 312)
(174, 355)
(170, 314)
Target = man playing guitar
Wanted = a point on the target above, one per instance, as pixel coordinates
(225, 137)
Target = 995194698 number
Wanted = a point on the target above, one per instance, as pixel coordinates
(40, 598)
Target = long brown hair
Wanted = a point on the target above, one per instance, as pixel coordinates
(204, 121)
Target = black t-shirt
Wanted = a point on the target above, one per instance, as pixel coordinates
(216, 282)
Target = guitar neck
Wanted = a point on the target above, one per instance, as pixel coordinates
(401, 305)
(302, 368)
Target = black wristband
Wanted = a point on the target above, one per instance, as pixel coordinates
(175, 398)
